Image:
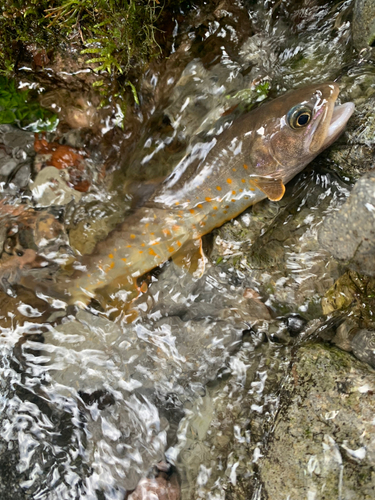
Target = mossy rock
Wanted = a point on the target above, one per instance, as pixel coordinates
(323, 444)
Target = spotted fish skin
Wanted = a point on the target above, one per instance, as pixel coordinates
(215, 182)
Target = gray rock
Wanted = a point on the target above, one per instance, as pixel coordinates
(15, 157)
(360, 342)
(323, 445)
(364, 24)
(364, 346)
(49, 188)
(353, 153)
(349, 234)
(10, 488)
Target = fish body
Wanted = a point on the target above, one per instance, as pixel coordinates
(251, 160)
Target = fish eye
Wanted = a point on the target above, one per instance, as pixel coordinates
(299, 116)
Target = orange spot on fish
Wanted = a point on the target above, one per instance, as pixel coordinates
(218, 188)
(132, 236)
(225, 212)
(243, 180)
(192, 211)
(233, 192)
(152, 252)
(177, 203)
(155, 243)
(166, 232)
(241, 190)
(112, 265)
(232, 200)
(140, 251)
(246, 197)
(215, 208)
(245, 166)
(152, 234)
(176, 227)
(142, 245)
(179, 243)
(200, 206)
(123, 259)
(208, 199)
(128, 246)
(170, 249)
(229, 181)
(252, 189)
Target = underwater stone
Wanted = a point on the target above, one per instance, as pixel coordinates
(323, 438)
(49, 188)
(364, 24)
(349, 234)
(363, 345)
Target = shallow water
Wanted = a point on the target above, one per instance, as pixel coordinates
(90, 405)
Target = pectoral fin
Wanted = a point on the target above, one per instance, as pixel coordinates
(191, 258)
(274, 189)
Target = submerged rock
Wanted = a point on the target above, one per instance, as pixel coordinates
(16, 154)
(349, 234)
(50, 188)
(361, 342)
(164, 486)
(323, 445)
(353, 153)
(364, 24)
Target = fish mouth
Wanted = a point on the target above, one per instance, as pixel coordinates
(340, 116)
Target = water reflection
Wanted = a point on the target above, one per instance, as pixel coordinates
(88, 405)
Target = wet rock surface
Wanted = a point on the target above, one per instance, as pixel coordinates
(213, 372)
(364, 24)
(353, 154)
(16, 158)
(305, 436)
(349, 234)
(323, 442)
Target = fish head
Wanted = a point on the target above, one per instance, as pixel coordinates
(303, 123)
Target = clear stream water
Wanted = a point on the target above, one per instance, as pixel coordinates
(89, 405)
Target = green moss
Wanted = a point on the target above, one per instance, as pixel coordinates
(249, 97)
(117, 33)
(18, 108)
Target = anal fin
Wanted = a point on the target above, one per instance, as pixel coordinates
(191, 257)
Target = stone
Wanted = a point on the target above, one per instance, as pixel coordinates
(334, 454)
(364, 24)
(349, 234)
(49, 188)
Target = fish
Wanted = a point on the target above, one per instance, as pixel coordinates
(246, 162)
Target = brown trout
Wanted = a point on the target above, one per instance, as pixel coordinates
(251, 160)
